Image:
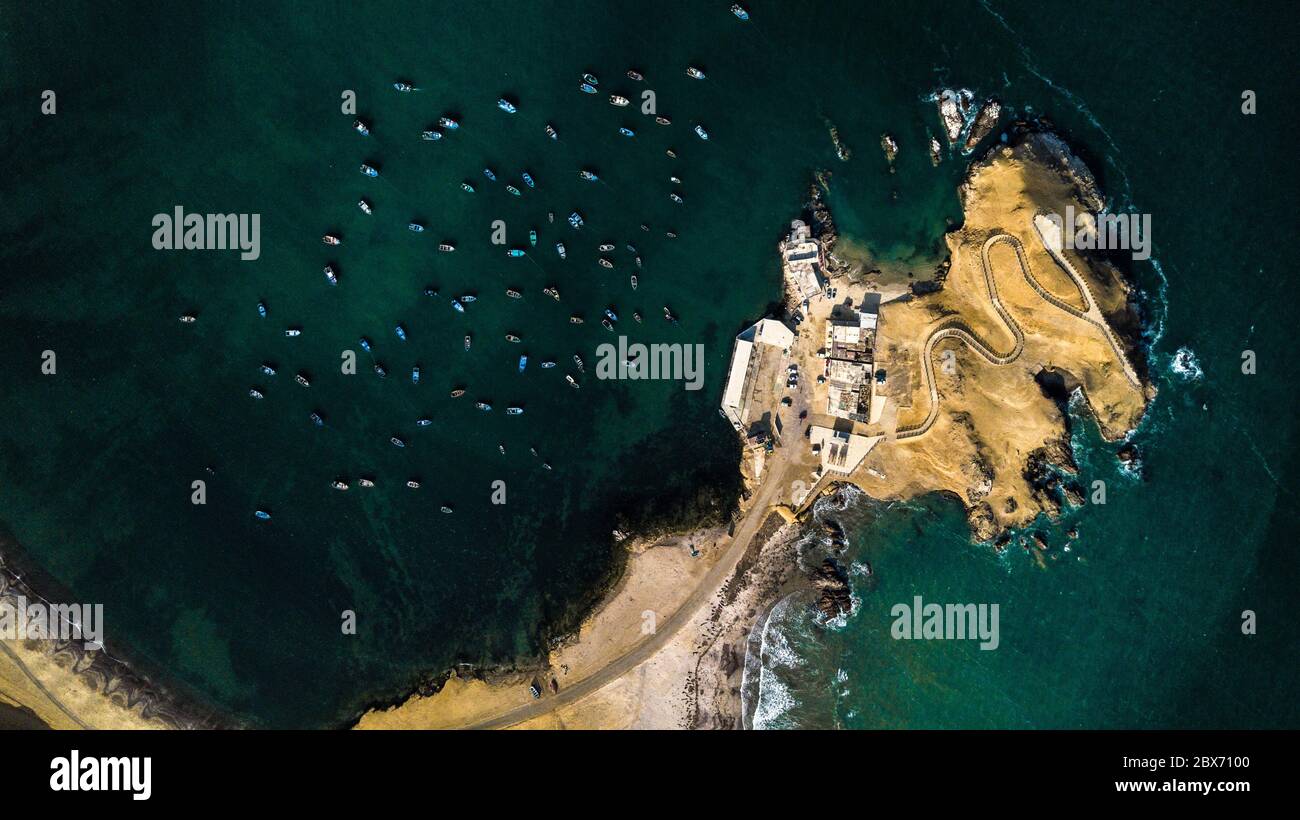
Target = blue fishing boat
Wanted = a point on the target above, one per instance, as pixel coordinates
(403, 87)
(330, 275)
(253, 392)
(415, 374)
(514, 411)
(523, 362)
(591, 79)
(559, 248)
(430, 136)
(467, 188)
(506, 106)
(415, 227)
(268, 369)
(369, 171)
(528, 179)
(448, 123)
(365, 344)
(588, 176)
(362, 128)
(400, 331)
(455, 303)
(551, 132)
(487, 172)
(587, 88)
(547, 365)
(316, 419)
(513, 190)
(613, 317)
(701, 133)
(575, 219)
(739, 11)
(627, 132)
(381, 371)
(261, 309)
(515, 253)
(423, 422)
(262, 515)
(532, 238)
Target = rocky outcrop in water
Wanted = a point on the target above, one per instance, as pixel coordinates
(835, 598)
(985, 122)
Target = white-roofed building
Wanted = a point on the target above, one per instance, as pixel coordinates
(801, 260)
(756, 362)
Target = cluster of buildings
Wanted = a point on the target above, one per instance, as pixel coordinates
(761, 366)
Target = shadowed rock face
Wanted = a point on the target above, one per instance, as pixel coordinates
(833, 584)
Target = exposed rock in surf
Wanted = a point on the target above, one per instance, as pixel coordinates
(985, 122)
(890, 146)
(835, 598)
(954, 106)
(936, 152)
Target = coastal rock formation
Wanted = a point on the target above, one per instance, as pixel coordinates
(831, 582)
(890, 146)
(954, 106)
(985, 122)
(986, 420)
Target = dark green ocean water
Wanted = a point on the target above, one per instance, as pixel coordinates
(236, 108)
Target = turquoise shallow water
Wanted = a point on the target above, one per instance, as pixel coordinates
(236, 108)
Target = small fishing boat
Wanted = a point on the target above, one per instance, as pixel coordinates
(423, 422)
(365, 207)
(188, 318)
(415, 374)
(630, 247)
(546, 466)
(317, 420)
(515, 253)
(261, 309)
(330, 275)
(605, 247)
(547, 365)
(588, 176)
(469, 297)
(365, 344)
(369, 170)
(413, 484)
(604, 263)
(455, 303)
(339, 484)
(381, 371)
(675, 197)
(613, 317)
(487, 172)
(550, 216)
(701, 133)
(514, 411)
(670, 234)
(552, 291)
(447, 510)
(636, 317)
(528, 179)
(523, 362)
(605, 323)
(513, 339)
(403, 87)
(578, 361)
(551, 132)
(627, 132)
(484, 406)
(268, 368)
(293, 331)
(616, 100)
(397, 442)
(590, 79)
(431, 292)
(675, 180)
(587, 88)
(572, 381)
(637, 260)
(634, 281)
(449, 123)
(506, 106)
(467, 188)
(446, 247)
(694, 73)
(262, 515)
(400, 331)
(457, 393)
(739, 11)
(645, 227)
(361, 127)
(668, 314)
(559, 248)
(468, 340)
(575, 219)
(671, 153)
(532, 238)
(430, 135)
(513, 294)
(502, 448)
(634, 75)
(575, 319)
(331, 239)
(365, 482)
(532, 450)
(513, 190)
(302, 379)
(663, 121)
(255, 393)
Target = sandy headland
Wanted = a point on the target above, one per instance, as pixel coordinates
(974, 364)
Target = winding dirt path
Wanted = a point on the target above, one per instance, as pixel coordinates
(958, 329)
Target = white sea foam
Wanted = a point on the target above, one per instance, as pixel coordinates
(775, 700)
(1185, 365)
